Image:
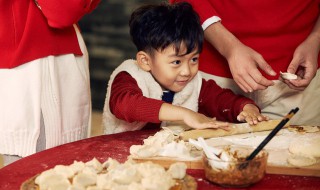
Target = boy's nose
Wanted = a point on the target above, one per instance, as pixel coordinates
(185, 70)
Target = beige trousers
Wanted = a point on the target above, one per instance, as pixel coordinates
(276, 101)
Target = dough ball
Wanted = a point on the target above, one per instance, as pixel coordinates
(306, 145)
(300, 161)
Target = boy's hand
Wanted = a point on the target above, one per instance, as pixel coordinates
(169, 112)
(200, 121)
(251, 115)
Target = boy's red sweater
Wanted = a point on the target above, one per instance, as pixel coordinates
(128, 103)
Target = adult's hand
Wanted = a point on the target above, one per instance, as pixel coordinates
(305, 60)
(243, 61)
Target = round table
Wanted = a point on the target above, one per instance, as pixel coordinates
(117, 147)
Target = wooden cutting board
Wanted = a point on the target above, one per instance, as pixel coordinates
(313, 170)
(285, 169)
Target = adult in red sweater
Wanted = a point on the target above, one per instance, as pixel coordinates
(44, 77)
(247, 44)
(163, 83)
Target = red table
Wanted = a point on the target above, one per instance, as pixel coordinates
(117, 146)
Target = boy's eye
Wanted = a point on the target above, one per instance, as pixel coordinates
(195, 59)
(177, 62)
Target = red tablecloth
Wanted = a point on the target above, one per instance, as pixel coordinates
(117, 146)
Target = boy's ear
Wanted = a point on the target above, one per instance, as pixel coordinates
(143, 60)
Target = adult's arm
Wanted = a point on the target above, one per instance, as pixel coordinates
(64, 13)
(243, 61)
(305, 60)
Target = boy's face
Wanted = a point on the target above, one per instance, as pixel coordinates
(173, 72)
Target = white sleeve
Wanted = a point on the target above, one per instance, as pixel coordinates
(210, 21)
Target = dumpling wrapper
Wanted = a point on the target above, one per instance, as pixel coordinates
(301, 161)
(288, 76)
(307, 145)
(64, 170)
(51, 180)
(84, 179)
(177, 170)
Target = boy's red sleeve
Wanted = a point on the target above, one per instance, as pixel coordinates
(204, 8)
(223, 104)
(128, 103)
(64, 13)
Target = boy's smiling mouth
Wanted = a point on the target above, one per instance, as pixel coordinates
(182, 82)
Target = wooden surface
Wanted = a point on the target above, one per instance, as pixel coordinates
(313, 170)
(282, 168)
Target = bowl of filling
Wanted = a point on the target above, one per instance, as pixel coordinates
(227, 165)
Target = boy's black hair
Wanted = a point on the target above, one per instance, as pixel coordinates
(155, 27)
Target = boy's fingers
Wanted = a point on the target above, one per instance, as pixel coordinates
(249, 120)
(240, 117)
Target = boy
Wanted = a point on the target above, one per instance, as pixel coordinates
(163, 83)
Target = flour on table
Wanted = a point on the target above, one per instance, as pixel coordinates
(304, 150)
(279, 142)
(301, 160)
(279, 145)
(304, 129)
(308, 145)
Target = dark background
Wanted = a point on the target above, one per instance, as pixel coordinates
(106, 33)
